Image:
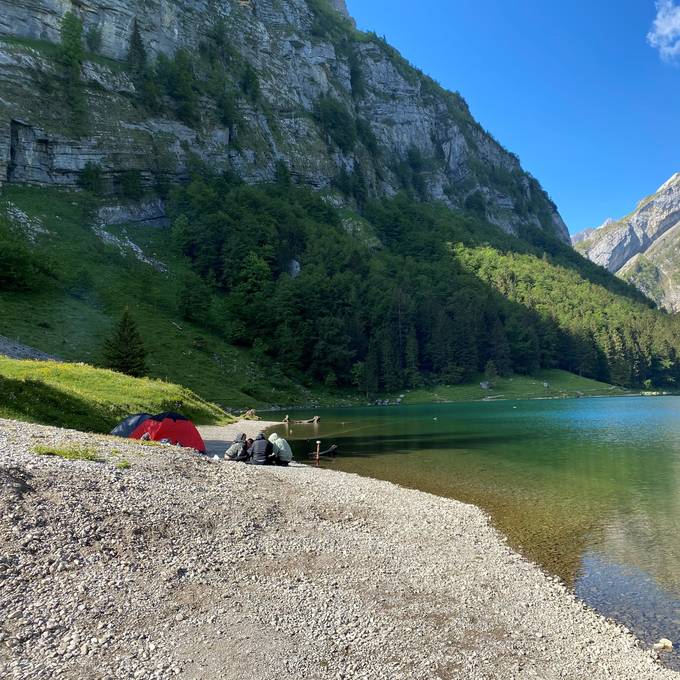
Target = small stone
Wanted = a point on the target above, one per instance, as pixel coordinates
(663, 645)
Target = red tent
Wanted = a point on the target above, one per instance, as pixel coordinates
(171, 426)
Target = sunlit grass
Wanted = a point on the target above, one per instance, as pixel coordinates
(67, 453)
(92, 399)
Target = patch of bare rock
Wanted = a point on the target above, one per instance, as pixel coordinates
(17, 350)
(180, 566)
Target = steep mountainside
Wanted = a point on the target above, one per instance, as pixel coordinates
(250, 86)
(643, 247)
(290, 211)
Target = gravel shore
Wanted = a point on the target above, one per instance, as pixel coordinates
(172, 565)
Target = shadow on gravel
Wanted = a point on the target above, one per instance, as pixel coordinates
(15, 481)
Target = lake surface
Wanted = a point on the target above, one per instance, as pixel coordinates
(587, 488)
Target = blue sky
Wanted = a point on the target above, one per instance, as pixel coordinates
(576, 89)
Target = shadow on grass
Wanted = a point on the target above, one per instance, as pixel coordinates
(38, 402)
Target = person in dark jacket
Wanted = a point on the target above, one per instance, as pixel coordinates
(262, 451)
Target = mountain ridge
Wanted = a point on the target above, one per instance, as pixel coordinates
(641, 246)
(282, 71)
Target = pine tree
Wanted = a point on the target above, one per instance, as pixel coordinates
(136, 56)
(490, 371)
(411, 372)
(499, 348)
(71, 54)
(124, 351)
(372, 368)
(71, 51)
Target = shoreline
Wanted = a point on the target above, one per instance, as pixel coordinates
(483, 400)
(178, 566)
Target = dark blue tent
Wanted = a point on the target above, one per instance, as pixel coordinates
(130, 424)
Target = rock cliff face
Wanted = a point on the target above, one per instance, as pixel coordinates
(643, 247)
(414, 135)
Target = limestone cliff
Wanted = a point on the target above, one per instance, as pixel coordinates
(413, 134)
(643, 247)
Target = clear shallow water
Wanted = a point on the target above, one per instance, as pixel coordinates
(588, 488)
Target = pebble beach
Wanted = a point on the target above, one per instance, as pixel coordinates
(155, 562)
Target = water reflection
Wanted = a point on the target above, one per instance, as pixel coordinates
(587, 488)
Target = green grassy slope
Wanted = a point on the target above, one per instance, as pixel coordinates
(91, 399)
(560, 385)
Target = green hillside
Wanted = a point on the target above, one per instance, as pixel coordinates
(80, 284)
(404, 296)
(91, 399)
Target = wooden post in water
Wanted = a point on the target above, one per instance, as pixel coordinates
(318, 452)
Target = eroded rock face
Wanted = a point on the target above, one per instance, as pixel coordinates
(296, 64)
(643, 247)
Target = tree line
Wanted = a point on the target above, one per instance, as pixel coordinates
(427, 294)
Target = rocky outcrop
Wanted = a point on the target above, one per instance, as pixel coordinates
(17, 350)
(643, 247)
(341, 7)
(414, 133)
(151, 212)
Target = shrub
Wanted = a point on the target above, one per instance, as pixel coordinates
(367, 137)
(18, 268)
(336, 123)
(176, 76)
(93, 39)
(194, 299)
(250, 83)
(91, 178)
(476, 204)
(226, 109)
(130, 184)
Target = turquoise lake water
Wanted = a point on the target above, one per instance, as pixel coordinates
(587, 488)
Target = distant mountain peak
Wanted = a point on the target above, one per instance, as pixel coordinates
(606, 223)
(643, 247)
(675, 179)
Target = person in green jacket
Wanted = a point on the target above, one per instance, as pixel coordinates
(283, 454)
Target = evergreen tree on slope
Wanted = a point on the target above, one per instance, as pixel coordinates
(124, 351)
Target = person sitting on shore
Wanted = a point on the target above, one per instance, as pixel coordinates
(262, 451)
(283, 454)
(238, 451)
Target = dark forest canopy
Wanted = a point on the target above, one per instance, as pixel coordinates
(407, 294)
